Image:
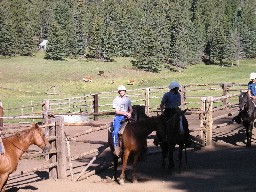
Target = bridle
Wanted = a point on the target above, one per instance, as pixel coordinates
(6, 138)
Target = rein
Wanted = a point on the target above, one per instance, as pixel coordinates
(14, 145)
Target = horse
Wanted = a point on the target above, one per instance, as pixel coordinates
(133, 140)
(15, 146)
(174, 136)
(247, 115)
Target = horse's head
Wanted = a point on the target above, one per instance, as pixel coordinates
(39, 138)
(243, 101)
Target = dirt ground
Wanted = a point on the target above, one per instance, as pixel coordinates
(225, 166)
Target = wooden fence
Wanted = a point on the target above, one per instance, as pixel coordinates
(194, 97)
(99, 105)
(207, 117)
(55, 160)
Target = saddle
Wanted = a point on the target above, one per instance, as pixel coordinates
(123, 125)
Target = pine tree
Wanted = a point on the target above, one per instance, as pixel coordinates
(7, 40)
(149, 56)
(78, 42)
(248, 28)
(55, 47)
(21, 24)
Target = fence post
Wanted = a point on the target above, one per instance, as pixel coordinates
(225, 93)
(147, 96)
(202, 118)
(209, 120)
(52, 156)
(46, 107)
(1, 114)
(183, 97)
(61, 148)
(96, 107)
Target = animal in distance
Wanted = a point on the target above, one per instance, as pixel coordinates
(87, 79)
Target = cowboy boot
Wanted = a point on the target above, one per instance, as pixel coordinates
(117, 151)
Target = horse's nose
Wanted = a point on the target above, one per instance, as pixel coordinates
(47, 149)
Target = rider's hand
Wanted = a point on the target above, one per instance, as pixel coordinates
(128, 115)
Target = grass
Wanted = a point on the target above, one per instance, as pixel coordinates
(25, 79)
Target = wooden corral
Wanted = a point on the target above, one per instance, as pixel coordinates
(195, 98)
(52, 162)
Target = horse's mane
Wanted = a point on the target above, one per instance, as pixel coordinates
(20, 135)
(145, 121)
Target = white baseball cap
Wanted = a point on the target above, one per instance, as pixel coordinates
(253, 75)
(121, 88)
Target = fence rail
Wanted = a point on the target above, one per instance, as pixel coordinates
(100, 104)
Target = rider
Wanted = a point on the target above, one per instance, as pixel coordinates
(1, 147)
(251, 93)
(170, 105)
(252, 86)
(123, 109)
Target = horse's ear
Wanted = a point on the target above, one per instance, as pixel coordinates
(35, 125)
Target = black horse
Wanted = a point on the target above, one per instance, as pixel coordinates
(174, 136)
(247, 115)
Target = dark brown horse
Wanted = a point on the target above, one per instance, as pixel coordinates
(175, 136)
(15, 146)
(247, 115)
(133, 140)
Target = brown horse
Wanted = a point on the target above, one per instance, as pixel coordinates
(15, 146)
(133, 140)
(175, 136)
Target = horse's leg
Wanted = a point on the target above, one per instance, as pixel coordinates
(248, 135)
(180, 156)
(164, 148)
(115, 160)
(171, 161)
(3, 181)
(135, 160)
(125, 159)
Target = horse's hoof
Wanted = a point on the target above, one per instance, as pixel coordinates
(121, 181)
(248, 145)
(134, 181)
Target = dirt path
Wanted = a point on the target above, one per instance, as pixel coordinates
(225, 166)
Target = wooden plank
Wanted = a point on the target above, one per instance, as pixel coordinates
(50, 165)
(61, 149)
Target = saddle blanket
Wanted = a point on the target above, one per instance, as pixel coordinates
(1, 147)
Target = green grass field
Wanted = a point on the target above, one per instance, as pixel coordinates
(25, 79)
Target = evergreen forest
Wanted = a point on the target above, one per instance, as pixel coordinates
(155, 33)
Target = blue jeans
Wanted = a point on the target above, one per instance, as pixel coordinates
(116, 126)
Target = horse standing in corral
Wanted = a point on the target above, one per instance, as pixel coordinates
(133, 140)
(174, 136)
(15, 146)
(247, 115)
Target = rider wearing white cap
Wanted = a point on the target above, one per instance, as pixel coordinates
(251, 93)
(252, 86)
(170, 104)
(123, 108)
